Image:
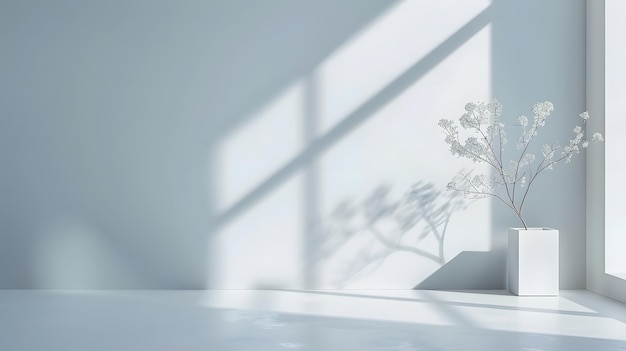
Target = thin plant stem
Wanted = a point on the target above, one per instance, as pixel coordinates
(518, 175)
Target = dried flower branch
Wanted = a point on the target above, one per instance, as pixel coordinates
(511, 182)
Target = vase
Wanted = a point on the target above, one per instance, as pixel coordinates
(533, 262)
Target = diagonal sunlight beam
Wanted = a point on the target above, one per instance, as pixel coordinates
(447, 302)
(357, 117)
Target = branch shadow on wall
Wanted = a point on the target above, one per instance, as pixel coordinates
(357, 117)
(124, 156)
(373, 229)
(305, 160)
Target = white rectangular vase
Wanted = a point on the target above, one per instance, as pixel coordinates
(533, 261)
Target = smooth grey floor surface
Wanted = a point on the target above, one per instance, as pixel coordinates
(355, 320)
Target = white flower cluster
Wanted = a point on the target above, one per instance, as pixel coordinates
(541, 112)
(572, 147)
(486, 143)
(484, 120)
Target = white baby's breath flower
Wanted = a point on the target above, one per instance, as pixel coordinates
(526, 160)
(542, 111)
(547, 151)
(523, 121)
(495, 107)
(543, 108)
(522, 141)
(578, 138)
(486, 145)
(584, 115)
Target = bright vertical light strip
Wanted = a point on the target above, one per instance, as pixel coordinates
(257, 150)
(260, 249)
(259, 246)
(615, 105)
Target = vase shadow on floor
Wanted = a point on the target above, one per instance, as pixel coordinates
(470, 270)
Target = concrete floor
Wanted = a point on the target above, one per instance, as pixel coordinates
(308, 320)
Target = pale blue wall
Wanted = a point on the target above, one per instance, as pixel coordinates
(539, 54)
(109, 112)
(151, 144)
